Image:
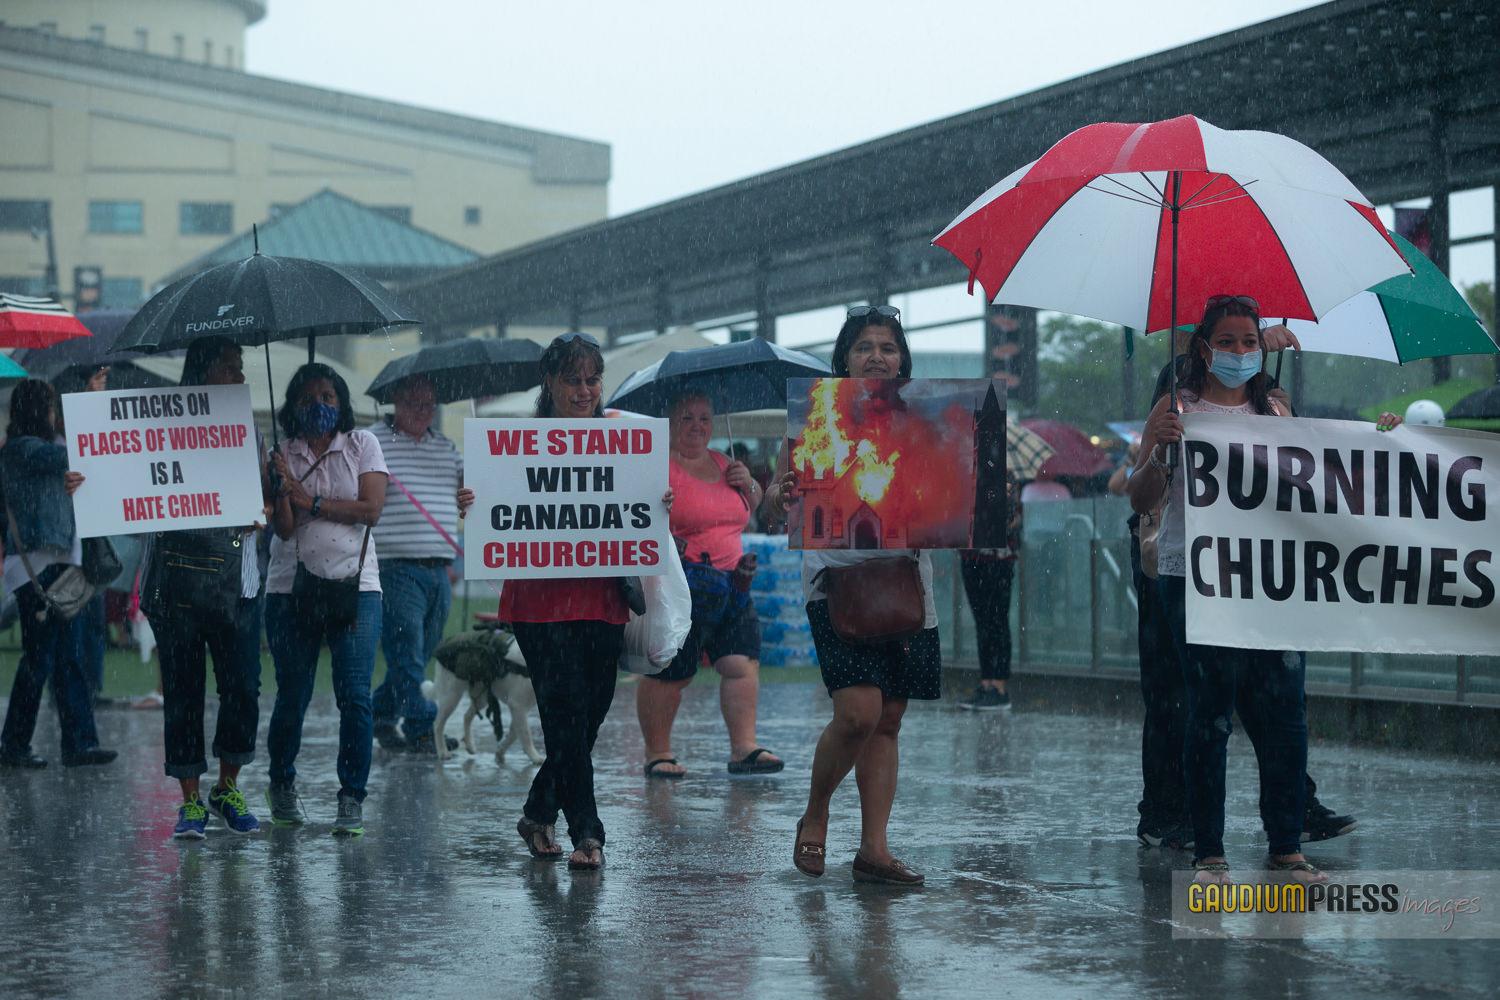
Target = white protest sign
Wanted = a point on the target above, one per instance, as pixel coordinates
(565, 498)
(163, 459)
(1328, 535)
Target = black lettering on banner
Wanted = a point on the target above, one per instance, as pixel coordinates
(567, 517)
(1415, 484)
(1202, 459)
(1195, 563)
(1278, 590)
(543, 478)
(1472, 573)
(197, 403)
(640, 515)
(1382, 484)
(1352, 586)
(177, 476)
(1321, 559)
(1236, 476)
(1337, 480)
(500, 517)
(1474, 509)
(1392, 573)
(1243, 567)
(158, 473)
(1440, 577)
(1298, 478)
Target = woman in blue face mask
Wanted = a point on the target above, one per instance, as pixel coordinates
(1224, 373)
(323, 584)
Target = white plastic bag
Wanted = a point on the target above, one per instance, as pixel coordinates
(653, 640)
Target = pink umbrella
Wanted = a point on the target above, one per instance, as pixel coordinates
(1073, 454)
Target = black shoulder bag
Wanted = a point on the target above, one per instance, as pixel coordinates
(194, 575)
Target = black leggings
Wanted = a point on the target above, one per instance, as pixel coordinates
(573, 667)
(987, 585)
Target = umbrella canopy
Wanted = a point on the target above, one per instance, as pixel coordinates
(92, 351)
(1140, 224)
(745, 375)
(1481, 405)
(466, 369)
(1410, 316)
(1073, 453)
(1026, 452)
(26, 321)
(166, 369)
(10, 372)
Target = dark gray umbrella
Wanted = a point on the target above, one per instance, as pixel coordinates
(71, 363)
(746, 375)
(1481, 405)
(465, 369)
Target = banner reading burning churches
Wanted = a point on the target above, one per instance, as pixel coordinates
(897, 464)
(1326, 535)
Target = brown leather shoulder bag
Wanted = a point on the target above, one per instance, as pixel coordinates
(876, 601)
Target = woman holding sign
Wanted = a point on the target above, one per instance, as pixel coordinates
(571, 632)
(1223, 373)
(716, 496)
(41, 543)
(870, 682)
(323, 585)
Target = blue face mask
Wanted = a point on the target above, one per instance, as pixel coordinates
(1234, 370)
(318, 419)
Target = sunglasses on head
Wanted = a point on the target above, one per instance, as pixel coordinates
(1215, 301)
(860, 312)
(568, 338)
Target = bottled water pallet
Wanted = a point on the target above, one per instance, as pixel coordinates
(785, 637)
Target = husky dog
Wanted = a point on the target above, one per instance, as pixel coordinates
(488, 665)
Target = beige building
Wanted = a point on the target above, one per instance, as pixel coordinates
(131, 133)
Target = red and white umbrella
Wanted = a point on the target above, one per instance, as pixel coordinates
(26, 321)
(1116, 220)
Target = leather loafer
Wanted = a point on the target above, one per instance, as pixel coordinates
(93, 755)
(27, 760)
(895, 873)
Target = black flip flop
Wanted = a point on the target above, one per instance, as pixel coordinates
(752, 764)
(652, 772)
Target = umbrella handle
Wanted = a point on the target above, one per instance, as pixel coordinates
(729, 426)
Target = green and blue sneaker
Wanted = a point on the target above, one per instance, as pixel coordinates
(192, 819)
(285, 805)
(228, 803)
(350, 821)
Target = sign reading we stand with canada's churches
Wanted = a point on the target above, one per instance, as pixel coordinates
(163, 459)
(565, 498)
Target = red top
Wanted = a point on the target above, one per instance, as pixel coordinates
(565, 600)
(708, 517)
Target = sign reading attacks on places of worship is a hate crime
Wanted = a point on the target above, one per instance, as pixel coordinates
(565, 498)
(1326, 535)
(897, 463)
(163, 459)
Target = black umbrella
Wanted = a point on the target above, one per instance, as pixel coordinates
(80, 357)
(1481, 405)
(260, 299)
(465, 369)
(746, 375)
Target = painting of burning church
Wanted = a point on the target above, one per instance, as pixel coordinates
(897, 463)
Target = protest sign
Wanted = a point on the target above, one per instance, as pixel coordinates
(163, 459)
(1328, 535)
(897, 463)
(565, 498)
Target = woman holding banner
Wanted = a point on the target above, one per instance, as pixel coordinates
(571, 632)
(1223, 373)
(323, 585)
(870, 682)
(201, 593)
(41, 543)
(716, 495)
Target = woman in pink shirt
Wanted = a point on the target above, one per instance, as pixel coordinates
(714, 497)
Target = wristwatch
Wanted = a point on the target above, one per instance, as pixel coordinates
(317, 505)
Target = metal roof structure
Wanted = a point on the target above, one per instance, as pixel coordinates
(1402, 95)
(331, 227)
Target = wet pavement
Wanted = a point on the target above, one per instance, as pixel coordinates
(1023, 824)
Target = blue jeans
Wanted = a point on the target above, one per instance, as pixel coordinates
(416, 599)
(50, 649)
(94, 636)
(236, 656)
(1266, 686)
(295, 643)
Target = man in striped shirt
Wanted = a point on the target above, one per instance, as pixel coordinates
(416, 541)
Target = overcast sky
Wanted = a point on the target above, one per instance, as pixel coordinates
(690, 95)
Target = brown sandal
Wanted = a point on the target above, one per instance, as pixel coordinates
(807, 855)
(588, 845)
(538, 839)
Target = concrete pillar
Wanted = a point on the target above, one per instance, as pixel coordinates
(663, 307)
(1437, 215)
(502, 327)
(765, 322)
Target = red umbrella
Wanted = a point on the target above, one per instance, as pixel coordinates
(1073, 453)
(31, 322)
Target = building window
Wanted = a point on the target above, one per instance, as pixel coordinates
(203, 218)
(142, 39)
(179, 47)
(122, 293)
(471, 215)
(817, 522)
(22, 216)
(115, 217)
(96, 34)
(401, 213)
